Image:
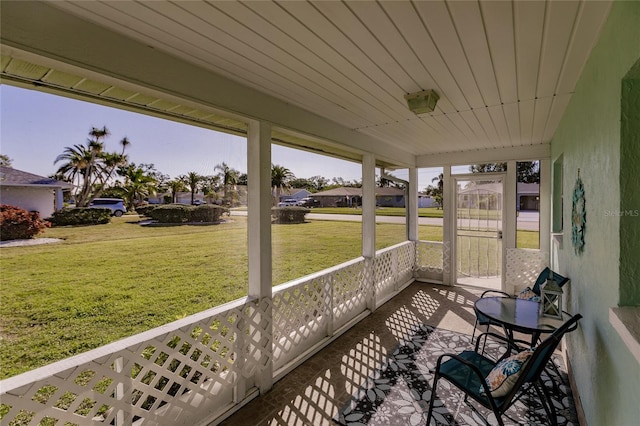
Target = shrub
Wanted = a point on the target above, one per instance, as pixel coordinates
(17, 223)
(81, 216)
(288, 214)
(171, 213)
(144, 210)
(181, 213)
(207, 213)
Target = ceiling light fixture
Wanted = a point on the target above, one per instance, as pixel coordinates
(422, 102)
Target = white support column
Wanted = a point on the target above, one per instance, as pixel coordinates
(259, 235)
(369, 225)
(545, 208)
(412, 205)
(448, 223)
(368, 206)
(510, 220)
(510, 201)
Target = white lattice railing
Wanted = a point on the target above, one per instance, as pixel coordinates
(186, 372)
(393, 267)
(432, 260)
(194, 370)
(523, 267)
(312, 310)
(308, 310)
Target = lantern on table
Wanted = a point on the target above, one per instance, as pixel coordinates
(551, 299)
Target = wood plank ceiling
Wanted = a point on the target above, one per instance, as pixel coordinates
(504, 70)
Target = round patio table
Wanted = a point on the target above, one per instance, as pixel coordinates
(518, 315)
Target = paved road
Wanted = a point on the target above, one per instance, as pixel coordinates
(527, 221)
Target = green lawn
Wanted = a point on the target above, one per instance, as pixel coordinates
(107, 282)
(380, 211)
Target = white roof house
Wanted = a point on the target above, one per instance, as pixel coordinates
(31, 192)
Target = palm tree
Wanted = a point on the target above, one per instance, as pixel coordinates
(175, 186)
(106, 168)
(90, 167)
(436, 192)
(192, 180)
(76, 158)
(229, 178)
(124, 143)
(280, 177)
(139, 182)
(209, 187)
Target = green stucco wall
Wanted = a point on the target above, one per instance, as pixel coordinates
(589, 139)
(630, 189)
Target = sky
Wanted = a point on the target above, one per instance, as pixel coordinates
(35, 127)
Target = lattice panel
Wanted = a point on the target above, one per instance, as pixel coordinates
(170, 376)
(393, 267)
(429, 256)
(384, 273)
(350, 292)
(446, 256)
(406, 258)
(300, 318)
(523, 267)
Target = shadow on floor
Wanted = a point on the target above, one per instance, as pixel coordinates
(339, 379)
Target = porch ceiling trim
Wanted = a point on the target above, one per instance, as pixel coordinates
(51, 34)
(516, 153)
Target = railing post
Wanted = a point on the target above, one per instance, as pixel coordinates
(448, 224)
(544, 215)
(510, 221)
(412, 205)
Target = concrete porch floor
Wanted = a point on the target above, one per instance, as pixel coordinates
(314, 392)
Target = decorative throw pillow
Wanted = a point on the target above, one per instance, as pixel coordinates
(504, 375)
(528, 294)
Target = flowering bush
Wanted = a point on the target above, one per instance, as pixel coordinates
(17, 223)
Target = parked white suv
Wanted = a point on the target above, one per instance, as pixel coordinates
(115, 204)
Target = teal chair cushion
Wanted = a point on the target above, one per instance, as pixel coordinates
(544, 276)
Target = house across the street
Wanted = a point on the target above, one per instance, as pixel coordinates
(296, 194)
(352, 197)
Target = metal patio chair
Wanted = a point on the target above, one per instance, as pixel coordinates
(467, 371)
(483, 320)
